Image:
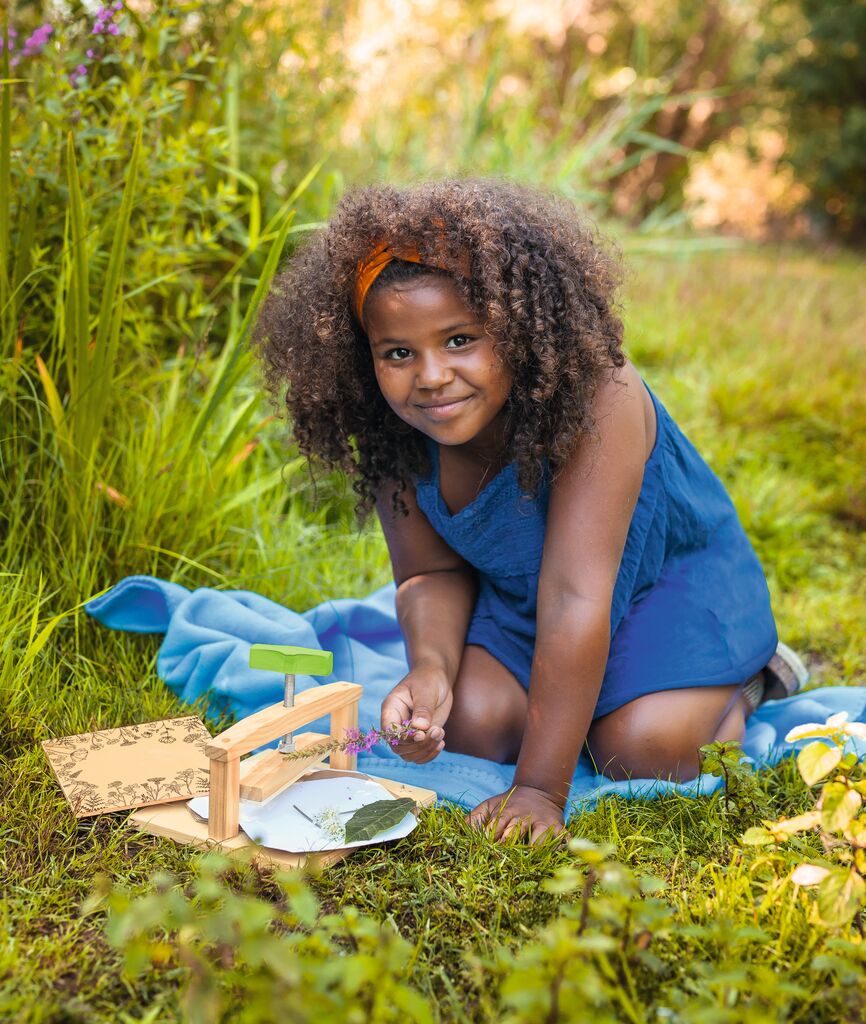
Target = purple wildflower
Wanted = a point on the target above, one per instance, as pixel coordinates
(36, 42)
(103, 23)
(13, 35)
(357, 742)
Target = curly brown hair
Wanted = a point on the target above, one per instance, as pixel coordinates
(541, 280)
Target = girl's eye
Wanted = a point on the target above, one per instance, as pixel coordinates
(393, 355)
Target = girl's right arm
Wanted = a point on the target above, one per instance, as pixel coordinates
(436, 593)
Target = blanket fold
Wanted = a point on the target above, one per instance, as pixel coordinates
(208, 634)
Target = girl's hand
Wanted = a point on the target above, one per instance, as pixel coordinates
(424, 697)
(521, 809)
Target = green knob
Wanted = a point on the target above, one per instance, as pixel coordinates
(291, 660)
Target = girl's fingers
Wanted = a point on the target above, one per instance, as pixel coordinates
(420, 754)
(396, 708)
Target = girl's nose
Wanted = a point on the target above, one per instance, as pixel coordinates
(433, 373)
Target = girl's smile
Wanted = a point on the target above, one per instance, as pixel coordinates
(435, 364)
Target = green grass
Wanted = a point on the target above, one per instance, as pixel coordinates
(759, 355)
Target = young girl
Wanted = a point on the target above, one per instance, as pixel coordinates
(569, 570)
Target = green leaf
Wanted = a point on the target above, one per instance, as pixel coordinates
(377, 817)
(788, 827)
(839, 805)
(817, 761)
(411, 1004)
(757, 836)
(840, 896)
(231, 363)
(589, 852)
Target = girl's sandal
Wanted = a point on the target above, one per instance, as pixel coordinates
(783, 676)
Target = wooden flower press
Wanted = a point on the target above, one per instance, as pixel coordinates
(268, 772)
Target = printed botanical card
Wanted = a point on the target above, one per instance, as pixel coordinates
(133, 766)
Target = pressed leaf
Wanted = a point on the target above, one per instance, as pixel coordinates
(377, 817)
(839, 805)
(817, 761)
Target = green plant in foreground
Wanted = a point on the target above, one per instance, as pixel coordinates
(744, 793)
(245, 958)
(841, 877)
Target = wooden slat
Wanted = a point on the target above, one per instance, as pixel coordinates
(274, 721)
(224, 798)
(273, 771)
(342, 719)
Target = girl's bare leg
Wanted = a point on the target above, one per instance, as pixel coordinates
(489, 710)
(659, 734)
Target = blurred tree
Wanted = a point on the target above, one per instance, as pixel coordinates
(605, 100)
(812, 55)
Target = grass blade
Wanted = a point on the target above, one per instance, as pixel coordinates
(5, 188)
(111, 306)
(226, 374)
(78, 298)
(254, 490)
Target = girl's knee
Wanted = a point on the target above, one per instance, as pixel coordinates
(489, 710)
(643, 751)
(482, 733)
(660, 734)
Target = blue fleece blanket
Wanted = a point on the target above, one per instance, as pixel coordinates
(208, 634)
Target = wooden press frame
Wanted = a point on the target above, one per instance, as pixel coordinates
(273, 771)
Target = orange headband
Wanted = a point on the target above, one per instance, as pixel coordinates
(380, 256)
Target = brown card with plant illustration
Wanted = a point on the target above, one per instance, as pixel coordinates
(134, 766)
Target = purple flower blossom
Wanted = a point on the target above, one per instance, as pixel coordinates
(103, 23)
(34, 43)
(13, 35)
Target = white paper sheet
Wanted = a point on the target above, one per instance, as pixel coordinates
(277, 824)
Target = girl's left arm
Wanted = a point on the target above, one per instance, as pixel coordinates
(591, 505)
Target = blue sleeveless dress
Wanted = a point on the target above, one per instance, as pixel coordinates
(690, 604)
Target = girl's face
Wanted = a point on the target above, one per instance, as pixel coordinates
(436, 365)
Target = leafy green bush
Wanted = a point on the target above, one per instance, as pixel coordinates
(227, 135)
(131, 229)
(840, 877)
(242, 958)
